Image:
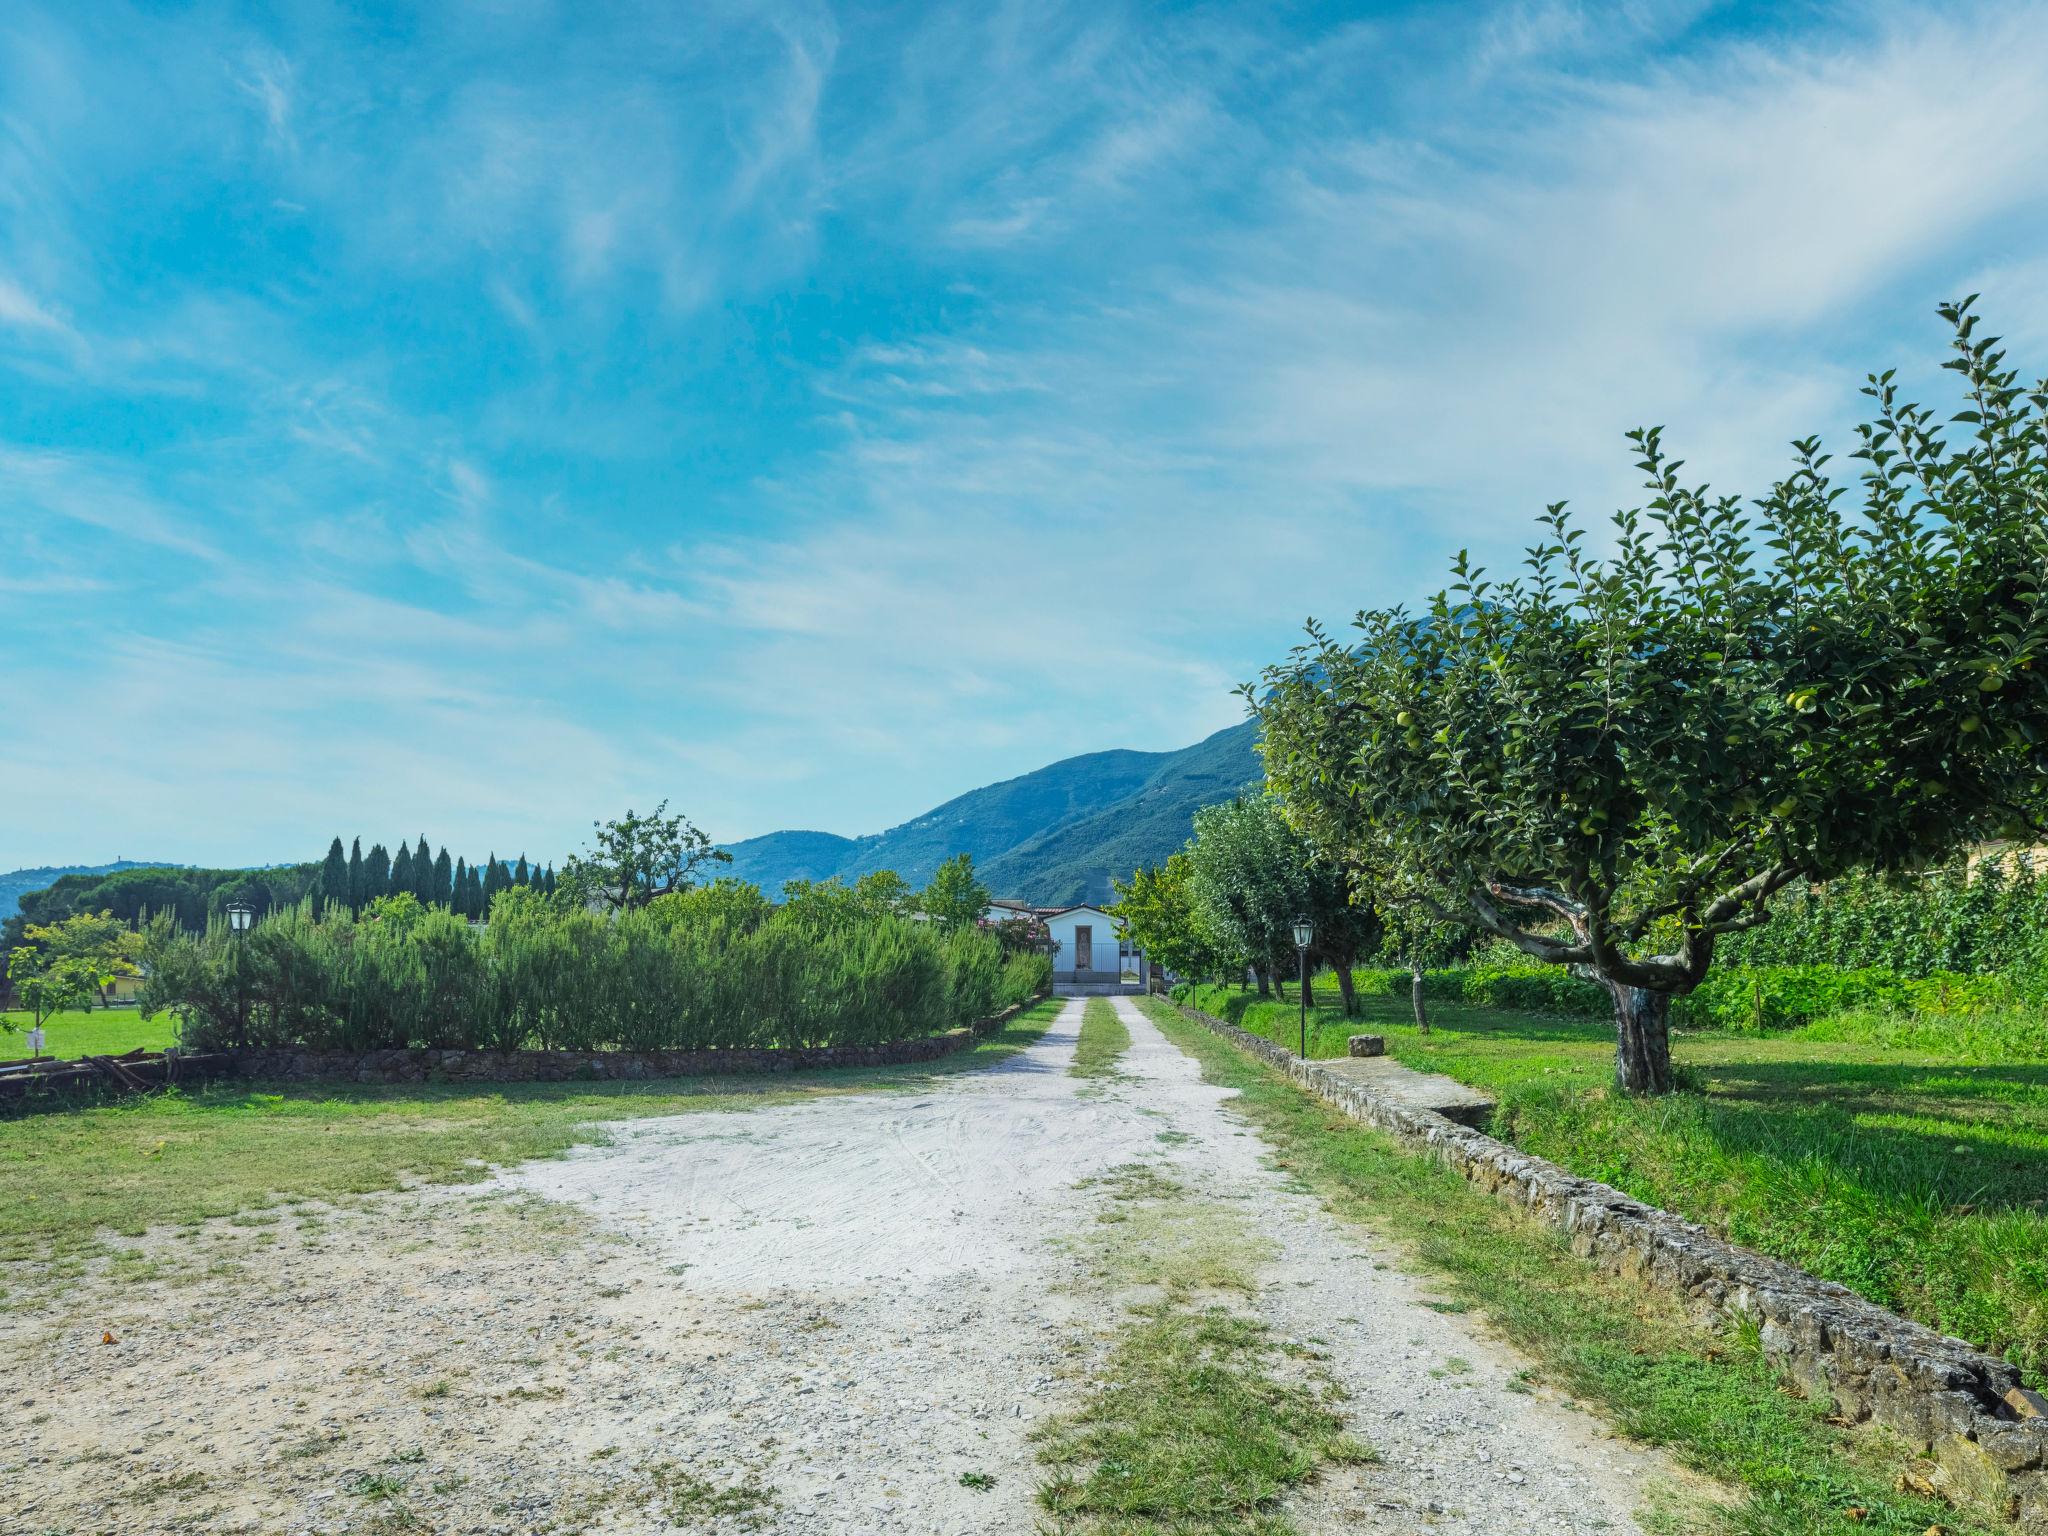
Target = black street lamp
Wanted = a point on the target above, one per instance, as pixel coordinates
(240, 916)
(1304, 935)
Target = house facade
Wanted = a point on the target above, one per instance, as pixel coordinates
(1090, 950)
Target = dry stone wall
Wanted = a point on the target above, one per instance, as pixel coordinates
(1964, 1407)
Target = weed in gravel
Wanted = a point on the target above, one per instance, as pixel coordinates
(980, 1482)
(1103, 1039)
(1192, 1435)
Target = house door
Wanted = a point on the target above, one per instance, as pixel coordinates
(1084, 949)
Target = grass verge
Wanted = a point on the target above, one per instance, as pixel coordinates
(99, 1032)
(1191, 1431)
(1916, 1177)
(177, 1159)
(1102, 1040)
(1710, 1399)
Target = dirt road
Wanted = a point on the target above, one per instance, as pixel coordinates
(813, 1318)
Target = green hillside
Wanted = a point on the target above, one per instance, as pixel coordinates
(1043, 836)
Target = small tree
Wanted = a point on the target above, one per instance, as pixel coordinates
(1161, 916)
(954, 895)
(1613, 763)
(638, 858)
(95, 944)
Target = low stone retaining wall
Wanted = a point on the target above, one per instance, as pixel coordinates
(1954, 1401)
(432, 1066)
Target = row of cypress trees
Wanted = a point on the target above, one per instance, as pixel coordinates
(355, 879)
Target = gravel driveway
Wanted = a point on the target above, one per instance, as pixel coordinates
(807, 1318)
(928, 1232)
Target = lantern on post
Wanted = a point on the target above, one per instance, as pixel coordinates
(1304, 935)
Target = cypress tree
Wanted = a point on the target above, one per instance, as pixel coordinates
(477, 909)
(376, 873)
(444, 890)
(355, 875)
(423, 873)
(334, 876)
(494, 882)
(401, 871)
(547, 881)
(520, 874)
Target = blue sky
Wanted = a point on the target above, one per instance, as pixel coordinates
(477, 418)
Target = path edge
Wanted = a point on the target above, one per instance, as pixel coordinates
(1942, 1394)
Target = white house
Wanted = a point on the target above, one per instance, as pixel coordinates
(1089, 949)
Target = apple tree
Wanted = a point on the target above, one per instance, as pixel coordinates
(1614, 759)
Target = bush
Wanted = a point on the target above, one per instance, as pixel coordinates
(1766, 997)
(701, 969)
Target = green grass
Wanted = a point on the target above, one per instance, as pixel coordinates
(69, 1176)
(1189, 1432)
(1103, 1039)
(1711, 1399)
(1917, 1177)
(101, 1032)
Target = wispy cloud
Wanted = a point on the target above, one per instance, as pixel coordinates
(809, 415)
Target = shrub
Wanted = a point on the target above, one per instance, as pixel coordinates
(714, 968)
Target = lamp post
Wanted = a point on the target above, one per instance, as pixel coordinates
(1304, 935)
(240, 916)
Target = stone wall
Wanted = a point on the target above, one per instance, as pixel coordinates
(1941, 1394)
(431, 1066)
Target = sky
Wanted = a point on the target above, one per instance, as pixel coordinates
(474, 419)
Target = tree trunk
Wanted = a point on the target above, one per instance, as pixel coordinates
(1265, 988)
(1308, 990)
(1415, 998)
(1347, 990)
(1642, 1039)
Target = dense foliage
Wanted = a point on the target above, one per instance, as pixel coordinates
(1229, 900)
(715, 966)
(190, 896)
(1990, 919)
(1615, 762)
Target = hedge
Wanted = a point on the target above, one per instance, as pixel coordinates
(708, 969)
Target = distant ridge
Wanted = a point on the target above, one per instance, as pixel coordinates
(1055, 835)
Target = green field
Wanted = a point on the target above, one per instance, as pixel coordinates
(1916, 1177)
(69, 1176)
(100, 1032)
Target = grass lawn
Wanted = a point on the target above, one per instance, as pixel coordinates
(68, 1176)
(100, 1032)
(1711, 1399)
(1915, 1177)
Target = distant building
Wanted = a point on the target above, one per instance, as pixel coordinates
(1089, 950)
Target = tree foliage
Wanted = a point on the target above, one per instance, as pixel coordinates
(953, 894)
(1615, 761)
(635, 859)
(1160, 914)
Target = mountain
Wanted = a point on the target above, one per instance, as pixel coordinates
(16, 883)
(1055, 835)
